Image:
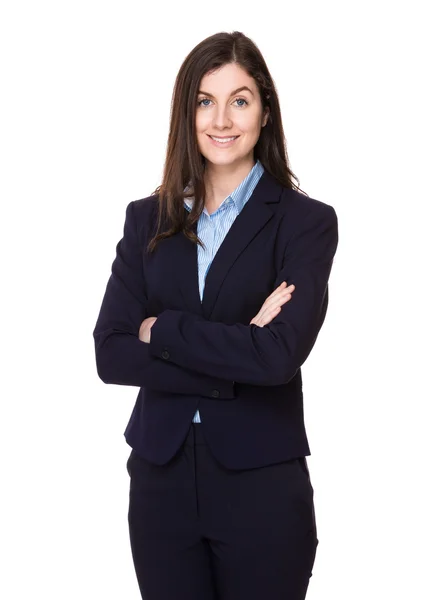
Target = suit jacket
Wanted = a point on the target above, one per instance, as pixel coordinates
(245, 379)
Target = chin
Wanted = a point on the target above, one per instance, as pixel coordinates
(224, 158)
(221, 160)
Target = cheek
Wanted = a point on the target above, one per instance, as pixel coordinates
(249, 125)
(202, 122)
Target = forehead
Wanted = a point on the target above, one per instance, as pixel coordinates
(226, 79)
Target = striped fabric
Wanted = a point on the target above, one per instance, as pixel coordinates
(212, 229)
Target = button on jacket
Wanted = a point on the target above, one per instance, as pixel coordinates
(200, 346)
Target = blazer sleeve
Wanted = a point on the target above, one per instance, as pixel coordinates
(121, 357)
(269, 355)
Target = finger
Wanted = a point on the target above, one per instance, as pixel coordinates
(266, 315)
(269, 316)
(277, 299)
(278, 289)
(272, 304)
(281, 290)
(278, 295)
(269, 306)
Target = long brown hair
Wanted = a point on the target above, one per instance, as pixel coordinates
(184, 164)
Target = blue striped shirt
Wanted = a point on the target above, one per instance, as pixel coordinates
(212, 229)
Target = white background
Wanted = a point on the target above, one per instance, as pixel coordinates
(86, 89)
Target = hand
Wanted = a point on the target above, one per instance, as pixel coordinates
(272, 305)
(145, 329)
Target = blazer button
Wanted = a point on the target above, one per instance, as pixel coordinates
(215, 394)
(165, 354)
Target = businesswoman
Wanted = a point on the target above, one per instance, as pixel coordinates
(218, 290)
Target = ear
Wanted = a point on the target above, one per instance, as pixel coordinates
(265, 117)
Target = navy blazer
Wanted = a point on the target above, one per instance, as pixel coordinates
(245, 379)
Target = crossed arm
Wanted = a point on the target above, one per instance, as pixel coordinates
(187, 353)
(269, 355)
(121, 357)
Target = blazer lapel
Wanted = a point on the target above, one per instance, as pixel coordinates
(254, 216)
(185, 259)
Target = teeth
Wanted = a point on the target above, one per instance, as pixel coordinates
(223, 140)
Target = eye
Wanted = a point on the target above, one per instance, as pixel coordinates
(204, 100)
(236, 100)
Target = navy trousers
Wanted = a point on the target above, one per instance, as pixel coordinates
(199, 531)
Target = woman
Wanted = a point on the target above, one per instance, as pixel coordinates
(218, 291)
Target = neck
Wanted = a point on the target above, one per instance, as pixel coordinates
(221, 180)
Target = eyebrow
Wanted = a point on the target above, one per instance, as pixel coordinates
(240, 89)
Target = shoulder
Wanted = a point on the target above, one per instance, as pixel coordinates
(144, 212)
(296, 205)
(145, 206)
(302, 216)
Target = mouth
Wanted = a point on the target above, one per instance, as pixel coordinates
(223, 141)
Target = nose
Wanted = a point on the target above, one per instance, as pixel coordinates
(221, 118)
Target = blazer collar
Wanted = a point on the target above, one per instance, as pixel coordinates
(254, 216)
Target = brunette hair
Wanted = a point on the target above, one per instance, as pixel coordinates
(184, 163)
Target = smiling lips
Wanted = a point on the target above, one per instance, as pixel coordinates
(223, 141)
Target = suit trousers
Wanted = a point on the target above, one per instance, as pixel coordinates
(200, 531)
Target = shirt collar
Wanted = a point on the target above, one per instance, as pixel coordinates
(242, 192)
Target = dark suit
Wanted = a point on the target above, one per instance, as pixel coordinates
(245, 380)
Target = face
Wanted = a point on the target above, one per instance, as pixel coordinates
(228, 105)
